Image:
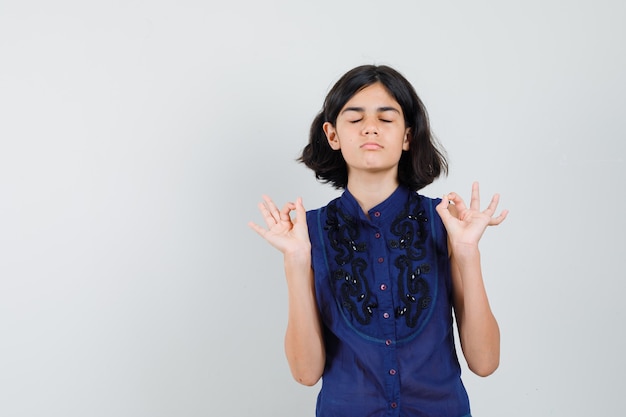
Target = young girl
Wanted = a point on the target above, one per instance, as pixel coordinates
(373, 276)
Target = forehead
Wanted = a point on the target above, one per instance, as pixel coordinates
(372, 96)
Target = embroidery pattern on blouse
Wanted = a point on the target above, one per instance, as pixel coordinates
(414, 292)
(349, 278)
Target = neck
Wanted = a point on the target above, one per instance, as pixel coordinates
(371, 190)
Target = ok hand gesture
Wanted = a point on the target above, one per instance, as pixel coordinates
(284, 233)
(466, 225)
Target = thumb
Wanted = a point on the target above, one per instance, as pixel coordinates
(442, 207)
(300, 211)
(300, 206)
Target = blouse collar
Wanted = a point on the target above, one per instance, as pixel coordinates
(387, 209)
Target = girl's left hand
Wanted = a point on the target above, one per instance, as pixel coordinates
(465, 226)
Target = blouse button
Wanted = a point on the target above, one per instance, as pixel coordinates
(392, 372)
(377, 214)
(394, 405)
(388, 342)
(377, 235)
(380, 260)
(383, 287)
(386, 315)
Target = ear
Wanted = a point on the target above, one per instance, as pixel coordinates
(331, 136)
(407, 139)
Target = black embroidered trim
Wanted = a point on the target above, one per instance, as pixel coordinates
(343, 234)
(413, 290)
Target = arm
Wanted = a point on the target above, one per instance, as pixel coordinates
(304, 344)
(478, 328)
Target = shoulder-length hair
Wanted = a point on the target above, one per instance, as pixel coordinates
(419, 166)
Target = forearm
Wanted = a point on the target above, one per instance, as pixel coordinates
(304, 344)
(478, 328)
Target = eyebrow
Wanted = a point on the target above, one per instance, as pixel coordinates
(378, 110)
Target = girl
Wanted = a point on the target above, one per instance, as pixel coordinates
(373, 276)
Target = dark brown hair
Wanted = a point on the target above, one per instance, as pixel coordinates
(419, 166)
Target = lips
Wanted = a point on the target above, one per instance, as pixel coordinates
(371, 146)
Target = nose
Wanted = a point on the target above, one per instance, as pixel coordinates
(370, 128)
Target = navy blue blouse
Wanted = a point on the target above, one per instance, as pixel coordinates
(384, 291)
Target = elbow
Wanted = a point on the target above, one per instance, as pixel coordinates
(307, 379)
(484, 369)
(307, 374)
(306, 370)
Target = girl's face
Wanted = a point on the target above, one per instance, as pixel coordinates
(370, 132)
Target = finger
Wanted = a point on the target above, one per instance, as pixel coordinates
(300, 206)
(443, 208)
(459, 204)
(284, 213)
(494, 221)
(260, 230)
(475, 199)
(272, 208)
(493, 204)
(300, 210)
(269, 211)
(266, 214)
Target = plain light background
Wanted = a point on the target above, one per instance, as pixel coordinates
(136, 138)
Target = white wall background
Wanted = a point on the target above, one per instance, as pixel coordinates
(136, 138)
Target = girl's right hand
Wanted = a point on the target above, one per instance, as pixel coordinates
(290, 236)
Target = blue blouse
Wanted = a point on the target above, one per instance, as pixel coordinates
(384, 291)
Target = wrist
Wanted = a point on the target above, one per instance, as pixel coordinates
(298, 255)
(465, 252)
